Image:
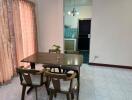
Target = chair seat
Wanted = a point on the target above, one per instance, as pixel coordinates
(36, 80)
(65, 85)
(51, 68)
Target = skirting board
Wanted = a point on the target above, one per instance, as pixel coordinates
(110, 65)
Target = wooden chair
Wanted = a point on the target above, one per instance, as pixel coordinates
(61, 83)
(30, 78)
(52, 67)
(54, 51)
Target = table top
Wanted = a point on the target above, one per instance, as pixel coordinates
(55, 59)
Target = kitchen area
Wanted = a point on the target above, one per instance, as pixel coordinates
(77, 27)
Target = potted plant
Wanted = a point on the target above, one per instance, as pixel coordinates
(56, 47)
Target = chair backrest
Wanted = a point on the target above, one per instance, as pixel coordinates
(25, 75)
(54, 51)
(54, 69)
(56, 79)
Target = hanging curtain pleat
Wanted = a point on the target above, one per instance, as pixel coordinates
(18, 32)
(6, 64)
(17, 35)
(12, 34)
(28, 27)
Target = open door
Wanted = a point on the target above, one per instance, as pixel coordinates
(84, 38)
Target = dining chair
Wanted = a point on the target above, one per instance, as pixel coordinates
(54, 51)
(52, 67)
(30, 78)
(62, 83)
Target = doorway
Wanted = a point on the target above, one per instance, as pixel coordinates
(77, 27)
(84, 38)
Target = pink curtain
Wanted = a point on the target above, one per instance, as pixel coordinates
(25, 29)
(28, 27)
(6, 62)
(17, 35)
(17, 32)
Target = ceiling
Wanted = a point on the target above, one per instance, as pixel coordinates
(77, 2)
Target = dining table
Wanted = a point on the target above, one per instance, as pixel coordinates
(64, 61)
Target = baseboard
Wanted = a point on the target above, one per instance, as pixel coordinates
(110, 65)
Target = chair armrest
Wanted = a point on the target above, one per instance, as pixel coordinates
(40, 72)
(31, 71)
(71, 76)
(21, 67)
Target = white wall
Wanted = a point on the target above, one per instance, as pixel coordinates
(84, 12)
(50, 24)
(111, 38)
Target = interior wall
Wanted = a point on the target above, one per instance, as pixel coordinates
(111, 36)
(50, 24)
(72, 21)
(85, 12)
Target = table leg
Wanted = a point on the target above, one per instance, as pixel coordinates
(32, 65)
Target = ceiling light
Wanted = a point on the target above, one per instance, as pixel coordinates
(73, 12)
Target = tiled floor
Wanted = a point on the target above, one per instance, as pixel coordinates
(110, 83)
(97, 83)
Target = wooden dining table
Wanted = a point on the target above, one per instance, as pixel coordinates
(64, 61)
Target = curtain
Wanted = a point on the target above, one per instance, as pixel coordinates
(28, 27)
(18, 31)
(25, 29)
(6, 63)
(17, 35)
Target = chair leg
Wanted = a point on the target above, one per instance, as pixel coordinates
(47, 85)
(72, 96)
(78, 94)
(68, 96)
(29, 90)
(47, 89)
(51, 95)
(36, 93)
(78, 88)
(23, 92)
(55, 94)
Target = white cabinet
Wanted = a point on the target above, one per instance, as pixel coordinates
(70, 44)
